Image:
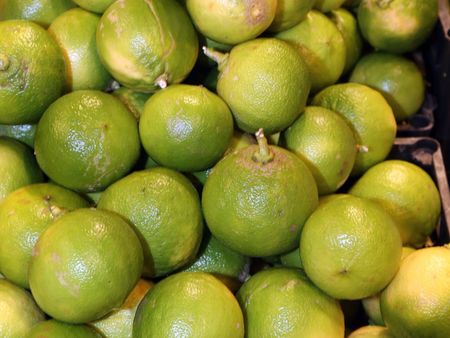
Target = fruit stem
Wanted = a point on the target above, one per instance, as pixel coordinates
(4, 62)
(362, 148)
(264, 155)
(161, 81)
(216, 56)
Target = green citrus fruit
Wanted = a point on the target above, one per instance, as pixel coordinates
(42, 12)
(397, 26)
(185, 127)
(407, 193)
(350, 247)
(19, 311)
(325, 142)
(348, 26)
(147, 45)
(231, 22)
(133, 100)
(56, 329)
(97, 6)
(322, 47)
(219, 260)
(256, 216)
(84, 265)
(371, 332)
(74, 31)
(165, 209)
(417, 302)
(398, 79)
(189, 304)
(289, 13)
(292, 259)
(223, 47)
(119, 322)
(272, 101)
(32, 72)
(21, 132)
(370, 116)
(238, 141)
(282, 302)
(371, 305)
(24, 215)
(18, 166)
(328, 5)
(86, 140)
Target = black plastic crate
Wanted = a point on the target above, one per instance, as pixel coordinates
(437, 61)
(426, 153)
(421, 123)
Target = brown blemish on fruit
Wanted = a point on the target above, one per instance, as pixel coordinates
(255, 11)
(112, 16)
(35, 251)
(289, 285)
(343, 272)
(162, 34)
(74, 289)
(24, 201)
(293, 228)
(55, 257)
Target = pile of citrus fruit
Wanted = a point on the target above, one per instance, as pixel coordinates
(215, 168)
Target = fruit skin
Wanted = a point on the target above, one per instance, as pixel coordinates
(407, 193)
(119, 322)
(31, 71)
(24, 215)
(370, 116)
(42, 12)
(398, 26)
(282, 302)
(75, 31)
(417, 302)
(292, 259)
(167, 48)
(18, 166)
(19, 311)
(322, 47)
(86, 140)
(328, 5)
(371, 305)
(97, 6)
(371, 332)
(189, 304)
(271, 102)
(185, 127)
(350, 247)
(325, 142)
(165, 209)
(231, 22)
(56, 329)
(21, 132)
(347, 25)
(133, 100)
(256, 216)
(217, 259)
(289, 13)
(397, 78)
(88, 259)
